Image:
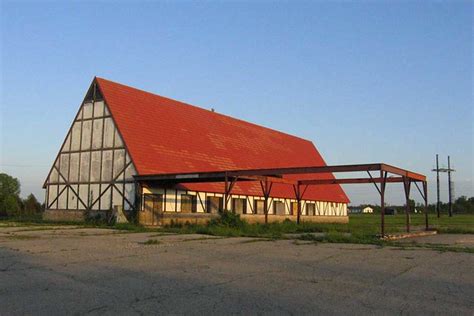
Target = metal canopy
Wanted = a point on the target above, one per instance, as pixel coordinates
(268, 176)
(218, 176)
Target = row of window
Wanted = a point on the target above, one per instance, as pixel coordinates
(214, 204)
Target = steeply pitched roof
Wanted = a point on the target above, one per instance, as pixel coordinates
(168, 136)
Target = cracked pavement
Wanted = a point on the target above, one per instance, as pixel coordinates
(98, 271)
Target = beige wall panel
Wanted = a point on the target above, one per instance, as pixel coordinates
(86, 135)
(84, 173)
(53, 177)
(116, 198)
(67, 143)
(97, 126)
(107, 165)
(79, 115)
(64, 165)
(119, 162)
(62, 198)
(94, 194)
(72, 198)
(105, 198)
(87, 110)
(130, 195)
(200, 202)
(118, 139)
(130, 172)
(76, 136)
(109, 130)
(53, 192)
(83, 194)
(95, 165)
(74, 170)
(98, 108)
(169, 200)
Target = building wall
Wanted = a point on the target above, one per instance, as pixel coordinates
(93, 171)
(324, 211)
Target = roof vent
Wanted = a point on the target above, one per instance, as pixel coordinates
(212, 110)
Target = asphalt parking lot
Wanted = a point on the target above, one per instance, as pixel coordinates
(70, 270)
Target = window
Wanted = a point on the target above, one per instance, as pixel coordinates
(214, 204)
(310, 209)
(259, 207)
(239, 206)
(278, 208)
(188, 203)
(294, 208)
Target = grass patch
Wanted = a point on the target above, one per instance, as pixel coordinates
(152, 242)
(346, 238)
(230, 225)
(251, 241)
(337, 237)
(430, 246)
(458, 224)
(22, 237)
(455, 230)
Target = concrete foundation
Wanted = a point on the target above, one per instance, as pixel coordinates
(203, 218)
(253, 218)
(64, 215)
(170, 218)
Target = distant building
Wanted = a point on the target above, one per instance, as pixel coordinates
(367, 210)
(390, 211)
(354, 210)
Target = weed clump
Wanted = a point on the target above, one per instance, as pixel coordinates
(152, 242)
(228, 219)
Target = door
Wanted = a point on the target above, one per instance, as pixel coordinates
(152, 209)
(214, 204)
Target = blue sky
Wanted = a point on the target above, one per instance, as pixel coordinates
(365, 81)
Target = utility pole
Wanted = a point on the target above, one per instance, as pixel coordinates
(450, 201)
(437, 186)
(450, 187)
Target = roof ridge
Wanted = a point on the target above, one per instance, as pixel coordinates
(203, 109)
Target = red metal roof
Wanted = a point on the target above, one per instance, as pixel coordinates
(167, 136)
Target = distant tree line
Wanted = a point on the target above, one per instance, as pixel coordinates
(11, 204)
(461, 205)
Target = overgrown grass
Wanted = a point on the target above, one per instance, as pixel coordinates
(346, 238)
(243, 229)
(336, 237)
(361, 226)
(152, 242)
(458, 224)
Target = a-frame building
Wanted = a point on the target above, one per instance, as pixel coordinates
(120, 133)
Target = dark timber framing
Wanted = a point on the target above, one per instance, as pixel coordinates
(276, 175)
(117, 180)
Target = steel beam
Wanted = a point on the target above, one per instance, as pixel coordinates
(218, 176)
(383, 175)
(406, 187)
(350, 181)
(425, 197)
